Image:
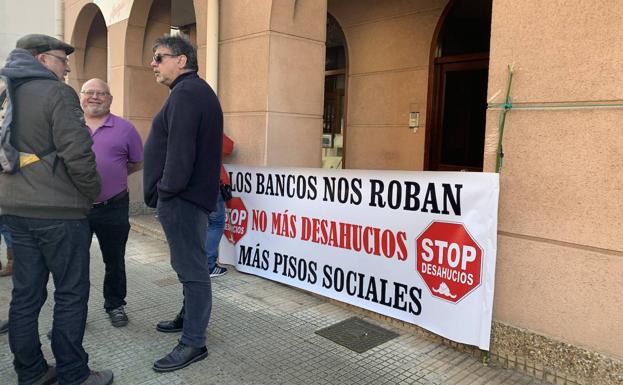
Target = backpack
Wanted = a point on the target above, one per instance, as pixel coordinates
(9, 156)
(11, 159)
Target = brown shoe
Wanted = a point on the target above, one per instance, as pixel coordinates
(105, 377)
(118, 318)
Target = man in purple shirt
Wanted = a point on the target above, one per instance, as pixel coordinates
(118, 152)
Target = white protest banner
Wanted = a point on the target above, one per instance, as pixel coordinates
(416, 246)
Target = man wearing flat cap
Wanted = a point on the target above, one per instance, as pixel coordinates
(44, 206)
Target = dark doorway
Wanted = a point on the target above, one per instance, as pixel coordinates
(458, 87)
(335, 86)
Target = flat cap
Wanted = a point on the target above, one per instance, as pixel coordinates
(43, 43)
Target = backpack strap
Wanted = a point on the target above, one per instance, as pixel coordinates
(9, 157)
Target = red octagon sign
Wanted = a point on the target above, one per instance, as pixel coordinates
(236, 219)
(448, 260)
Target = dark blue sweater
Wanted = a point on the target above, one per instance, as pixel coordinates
(183, 150)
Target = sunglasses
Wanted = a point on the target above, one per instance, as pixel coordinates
(159, 56)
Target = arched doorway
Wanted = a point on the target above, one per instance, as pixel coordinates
(458, 87)
(90, 38)
(335, 87)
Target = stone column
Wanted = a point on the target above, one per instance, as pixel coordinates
(271, 80)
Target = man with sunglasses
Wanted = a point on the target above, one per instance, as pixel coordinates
(44, 206)
(119, 153)
(181, 179)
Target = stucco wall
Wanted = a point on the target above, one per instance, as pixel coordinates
(271, 80)
(17, 20)
(560, 256)
(388, 56)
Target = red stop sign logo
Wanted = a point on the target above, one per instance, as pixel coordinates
(448, 260)
(236, 219)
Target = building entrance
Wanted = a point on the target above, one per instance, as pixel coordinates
(458, 104)
(334, 115)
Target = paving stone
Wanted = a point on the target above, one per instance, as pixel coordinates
(260, 333)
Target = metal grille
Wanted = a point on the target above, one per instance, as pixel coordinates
(356, 334)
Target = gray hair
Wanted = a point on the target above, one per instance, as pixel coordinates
(179, 45)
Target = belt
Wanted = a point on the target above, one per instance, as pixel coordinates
(117, 197)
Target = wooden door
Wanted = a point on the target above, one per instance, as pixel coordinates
(457, 135)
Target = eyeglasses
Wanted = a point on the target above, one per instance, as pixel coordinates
(92, 93)
(65, 59)
(159, 56)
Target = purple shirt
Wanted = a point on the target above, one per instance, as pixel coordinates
(115, 144)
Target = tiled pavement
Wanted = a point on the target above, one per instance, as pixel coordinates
(261, 332)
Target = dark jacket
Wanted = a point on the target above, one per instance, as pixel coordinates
(47, 116)
(183, 150)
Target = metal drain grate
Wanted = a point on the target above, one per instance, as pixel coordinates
(356, 334)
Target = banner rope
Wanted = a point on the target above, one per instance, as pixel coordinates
(505, 107)
(553, 106)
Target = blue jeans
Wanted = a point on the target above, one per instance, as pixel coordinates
(111, 226)
(42, 246)
(184, 225)
(216, 225)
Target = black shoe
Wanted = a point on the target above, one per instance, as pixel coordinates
(181, 356)
(104, 377)
(48, 378)
(218, 271)
(118, 318)
(4, 327)
(171, 326)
